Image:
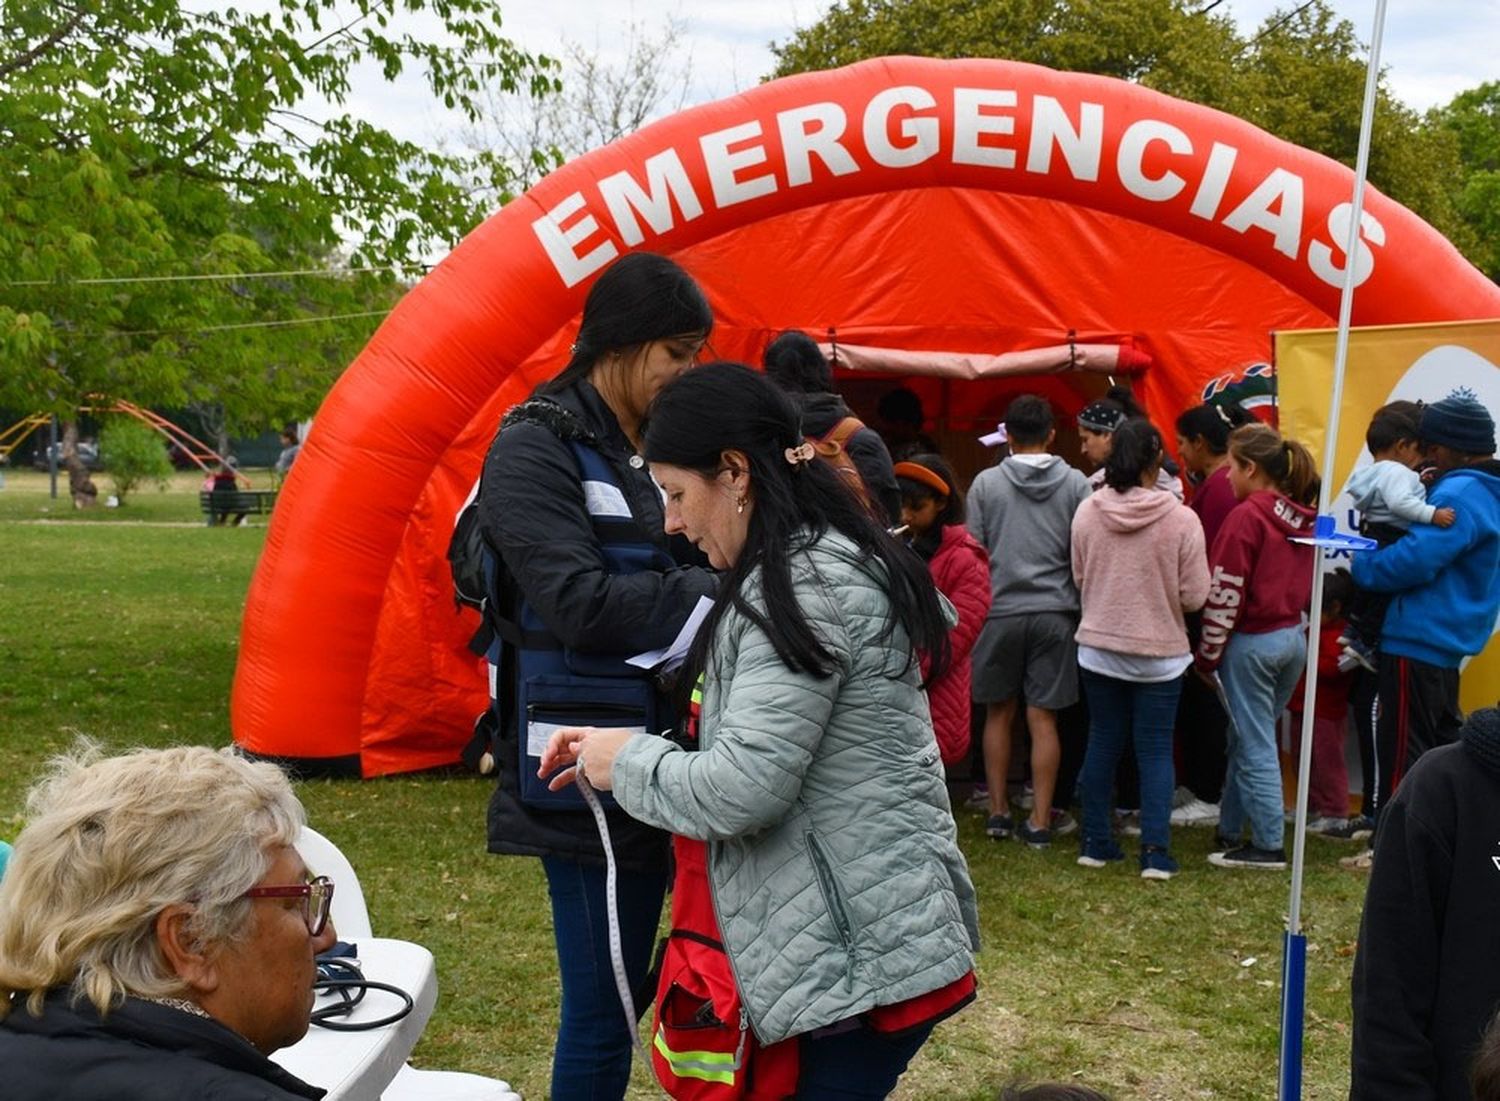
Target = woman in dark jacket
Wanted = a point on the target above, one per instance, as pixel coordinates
(586, 579)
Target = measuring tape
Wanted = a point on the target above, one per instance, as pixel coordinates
(612, 907)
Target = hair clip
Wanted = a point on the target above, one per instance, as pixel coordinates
(1223, 416)
(802, 453)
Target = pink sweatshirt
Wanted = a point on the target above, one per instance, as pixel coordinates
(1139, 563)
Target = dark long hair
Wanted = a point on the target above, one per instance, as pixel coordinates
(1136, 448)
(730, 407)
(641, 297)
(1212, 424)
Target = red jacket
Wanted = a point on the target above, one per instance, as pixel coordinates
(961, 571)
(1333, 683)
(1259, 580)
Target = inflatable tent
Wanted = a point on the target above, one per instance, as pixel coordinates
(962, 209)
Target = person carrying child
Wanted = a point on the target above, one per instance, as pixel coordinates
(933, 511)
(1252, 631)
(1390, 498)
(1445, 590)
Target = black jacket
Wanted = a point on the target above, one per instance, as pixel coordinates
(141, 1051)
(533, 511)
(1427, 971)
(820, 412)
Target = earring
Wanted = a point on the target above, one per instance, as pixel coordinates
(739, 505)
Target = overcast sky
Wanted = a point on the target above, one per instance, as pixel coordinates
(1432, 49)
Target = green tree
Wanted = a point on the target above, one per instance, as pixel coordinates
(132, 455)
(1300, 76)
(1472, 120)
(148, 144)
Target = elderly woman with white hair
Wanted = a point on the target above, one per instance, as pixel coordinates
(158, 931)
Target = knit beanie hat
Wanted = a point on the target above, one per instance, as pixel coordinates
(1481, 736)
(1459, 422)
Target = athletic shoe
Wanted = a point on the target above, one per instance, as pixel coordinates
(1248, 856)
(1327, 825)
(979, 798)
(1096, 854)
(1156, 864)
(999, 826)
(1023, 796)
(1359, 828)
(1029, 835)
(1360, 862)
(1349, 661)
(1195, 812)
(1063, 823)
(1128, 822)
(1223, 843)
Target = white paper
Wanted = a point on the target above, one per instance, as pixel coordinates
(670, 657)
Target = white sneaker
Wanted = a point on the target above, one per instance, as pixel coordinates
(1196, 813)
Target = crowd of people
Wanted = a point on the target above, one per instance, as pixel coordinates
(855, 615)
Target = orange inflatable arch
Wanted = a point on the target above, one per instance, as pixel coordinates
(971, 208)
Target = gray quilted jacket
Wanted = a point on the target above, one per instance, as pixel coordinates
(833, 858)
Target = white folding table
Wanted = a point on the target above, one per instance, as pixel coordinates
(358, 1066)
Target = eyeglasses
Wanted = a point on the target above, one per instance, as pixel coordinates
(316, 895)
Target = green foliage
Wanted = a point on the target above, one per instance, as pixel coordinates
(133, 455)
(1472, 121)
(1300, 76)
(155, 139)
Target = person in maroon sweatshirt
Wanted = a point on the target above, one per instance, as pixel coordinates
(933, 511)
(1252, 638)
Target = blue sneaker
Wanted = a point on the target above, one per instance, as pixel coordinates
(1096, 854)
(1028, 834)
(1156, 864)
(999, 826)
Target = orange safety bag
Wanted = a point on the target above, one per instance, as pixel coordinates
(702, 1047)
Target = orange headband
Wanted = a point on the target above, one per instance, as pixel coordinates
(916, 472)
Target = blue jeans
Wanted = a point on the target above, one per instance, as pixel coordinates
(859, 1064)
(1259, 673)
(592, 1059)
(1122, 711)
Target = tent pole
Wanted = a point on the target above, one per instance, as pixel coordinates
(1293, 973)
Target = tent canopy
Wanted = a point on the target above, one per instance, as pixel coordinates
(978, 209)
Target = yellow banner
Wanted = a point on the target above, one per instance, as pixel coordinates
(1385, 364)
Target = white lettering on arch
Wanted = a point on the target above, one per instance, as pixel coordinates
(971, 122)
(920, 132)
(725, 165)
(814, 131)
(666, 180)
(1051, 128)
(561, 243)
(1320, 255)
(1281, 190)
(1134, 142)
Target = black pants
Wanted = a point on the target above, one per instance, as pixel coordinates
(1366, 611)
(1202, 731)
(1418, 712)
(1364, 708)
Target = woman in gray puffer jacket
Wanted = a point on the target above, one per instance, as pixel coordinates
(843, 902)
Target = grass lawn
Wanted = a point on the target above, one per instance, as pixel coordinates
(127, 631)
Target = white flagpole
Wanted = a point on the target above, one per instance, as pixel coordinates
(1294, 962)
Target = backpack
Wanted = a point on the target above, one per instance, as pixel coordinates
(832, 448)
(466, 555)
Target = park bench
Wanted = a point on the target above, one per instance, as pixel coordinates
(236, 502)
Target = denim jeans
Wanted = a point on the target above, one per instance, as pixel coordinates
(1259, 673)
(1122, 711)
(592, 1059)
(858, 1064)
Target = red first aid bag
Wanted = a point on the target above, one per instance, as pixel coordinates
(702, 1047)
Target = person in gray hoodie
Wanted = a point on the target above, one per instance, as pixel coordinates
(1022, 511)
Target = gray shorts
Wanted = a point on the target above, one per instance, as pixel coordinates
(1032, 655)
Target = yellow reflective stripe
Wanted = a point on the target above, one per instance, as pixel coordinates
(709, 1066)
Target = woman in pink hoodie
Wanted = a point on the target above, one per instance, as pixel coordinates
(1139, 563)
(1253, 644)
(932, 509)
